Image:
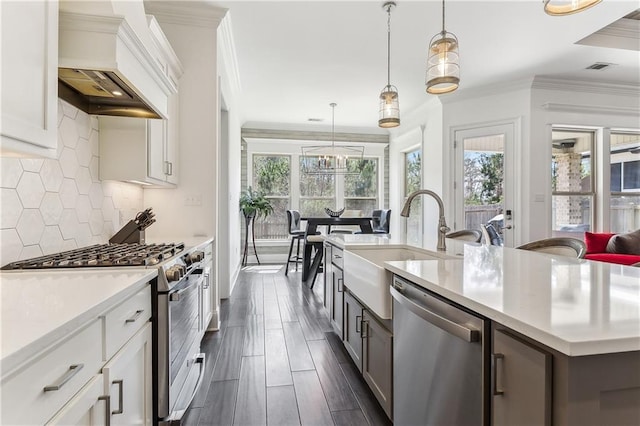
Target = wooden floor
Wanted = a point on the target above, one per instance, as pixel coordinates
(276, 361)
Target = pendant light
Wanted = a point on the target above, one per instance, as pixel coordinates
(443, 69)
(389, 106)
(567, 7)
(331, 159)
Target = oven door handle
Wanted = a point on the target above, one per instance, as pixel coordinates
(177, 295)
(176, 417)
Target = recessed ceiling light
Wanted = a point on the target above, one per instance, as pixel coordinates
(117, 93)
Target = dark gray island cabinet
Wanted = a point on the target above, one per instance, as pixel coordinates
(537, 385)
(367, 338)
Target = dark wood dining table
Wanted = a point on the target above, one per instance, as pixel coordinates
(309, 268)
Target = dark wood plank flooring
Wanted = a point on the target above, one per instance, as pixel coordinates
(276, 361)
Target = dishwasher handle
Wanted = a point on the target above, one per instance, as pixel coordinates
(451, 327)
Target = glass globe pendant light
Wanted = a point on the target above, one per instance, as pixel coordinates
(389, 105)
(443, 69)
(567, 7)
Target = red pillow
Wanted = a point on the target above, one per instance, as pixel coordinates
(596, 242)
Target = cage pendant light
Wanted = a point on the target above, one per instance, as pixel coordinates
(332, 159)
(443, 68)
(389, 105)
(567, 7)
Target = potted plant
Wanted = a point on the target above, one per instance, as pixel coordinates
(253, 204)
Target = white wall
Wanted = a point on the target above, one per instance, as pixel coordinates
(192, 32)
(229, 255)
(421, 127)
(536, 105)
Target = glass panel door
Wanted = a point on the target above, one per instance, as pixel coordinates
(482, 180)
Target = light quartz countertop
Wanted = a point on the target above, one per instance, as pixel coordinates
(39, 308)
(577, 307)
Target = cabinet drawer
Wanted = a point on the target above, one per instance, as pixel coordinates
(336, 257)
(125, 320)
(69, 366)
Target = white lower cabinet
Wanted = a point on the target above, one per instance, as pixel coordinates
(100, 374)
(128, 382)
(90, 407)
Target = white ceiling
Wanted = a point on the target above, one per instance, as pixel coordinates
(296, 57)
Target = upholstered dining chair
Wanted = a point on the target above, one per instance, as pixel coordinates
(297, 234)
(466, 235)
(380, 221)
(561, 246)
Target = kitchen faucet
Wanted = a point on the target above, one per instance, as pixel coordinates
(442, 224)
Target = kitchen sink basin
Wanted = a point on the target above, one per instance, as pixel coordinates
(366, 277)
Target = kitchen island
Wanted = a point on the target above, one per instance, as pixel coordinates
(579, 320)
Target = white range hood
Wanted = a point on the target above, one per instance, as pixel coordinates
(107, 61)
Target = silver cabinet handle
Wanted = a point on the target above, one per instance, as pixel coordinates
(206, 281)
(170, 168)
(120, 384)
(107, 409)
(494, 367)
(73, 370)
(358, 321)
(459, 330)
(364, 325)
(135, 316)
(340, 289)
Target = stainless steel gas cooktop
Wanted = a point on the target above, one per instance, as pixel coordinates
(102, 255)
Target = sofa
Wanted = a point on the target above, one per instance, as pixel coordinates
(622, 249)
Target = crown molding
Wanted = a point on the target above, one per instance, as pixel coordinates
(585, 86)
(312, 136)
(229, 56)
(191, 13)
(592, 109)
(486, 90)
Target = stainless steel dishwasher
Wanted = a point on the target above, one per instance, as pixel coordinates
(439, 358)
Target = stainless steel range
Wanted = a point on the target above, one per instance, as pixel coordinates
(178, 323)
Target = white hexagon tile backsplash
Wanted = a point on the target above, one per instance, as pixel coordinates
(52, 205)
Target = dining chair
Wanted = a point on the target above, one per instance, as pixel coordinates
(491, 236)
(297, 234)
(466, 235)
(380, 221)
(563, 246)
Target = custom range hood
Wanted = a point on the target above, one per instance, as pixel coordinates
(107, 63)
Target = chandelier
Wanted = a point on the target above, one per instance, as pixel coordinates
(567, 7)
(389, 106)
(443, 69)
(332, 159)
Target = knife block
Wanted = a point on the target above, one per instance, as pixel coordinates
(129, 234)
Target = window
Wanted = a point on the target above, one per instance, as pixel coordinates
(361, 191)
(572, 181)
(277, 168)
(316, 191)
(271, 175)
(625, 181)
(413, 182)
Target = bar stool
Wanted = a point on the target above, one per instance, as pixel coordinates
(297, 234)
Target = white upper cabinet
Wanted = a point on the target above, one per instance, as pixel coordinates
(29, 34)
(132, 150)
